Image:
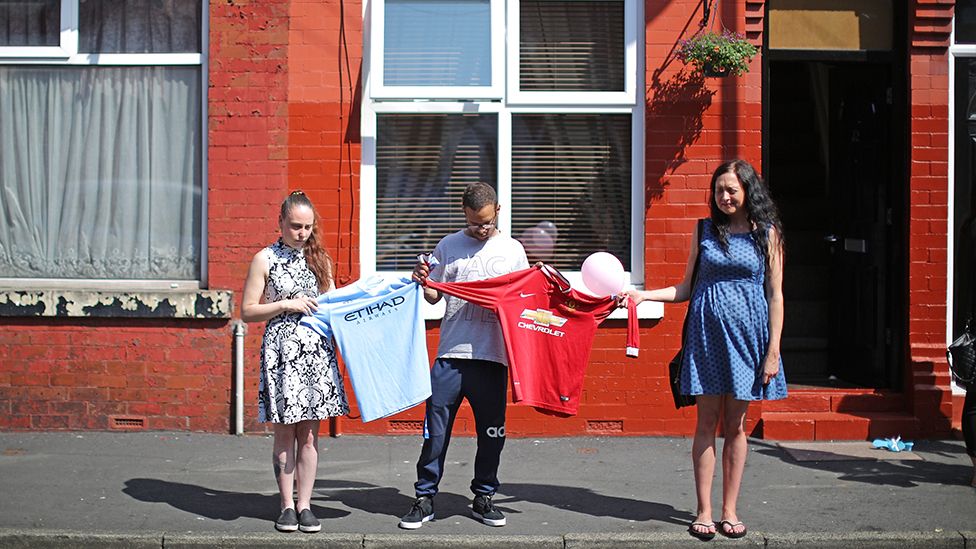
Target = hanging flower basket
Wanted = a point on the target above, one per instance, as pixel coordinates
(712, 54)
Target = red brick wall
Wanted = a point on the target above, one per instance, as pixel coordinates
(930, 23)
(79, 374)
(175, 374)
(692, 125)
(929, 195)
(929, 185)
(285, 80)
(249, 156)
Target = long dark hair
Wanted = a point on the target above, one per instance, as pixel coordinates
(316, 256)
(760, 208)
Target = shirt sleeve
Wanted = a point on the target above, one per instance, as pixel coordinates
(523, 261)
(437, 271)
(486, 293)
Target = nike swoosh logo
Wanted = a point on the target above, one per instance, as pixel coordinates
(525, 295)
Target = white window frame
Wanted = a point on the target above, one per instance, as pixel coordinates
(69, 45)
(377, 101)
(379, 90)
(631, 46)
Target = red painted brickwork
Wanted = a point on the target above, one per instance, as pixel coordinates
(932, 23)
(929, 188)
(927, 373)
(248, 149)
(691, 126)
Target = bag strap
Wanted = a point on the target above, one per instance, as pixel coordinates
(694, 282)
(694, 278)
(694, 271)
(959, 378)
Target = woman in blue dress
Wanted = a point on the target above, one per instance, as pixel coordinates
(732, 342)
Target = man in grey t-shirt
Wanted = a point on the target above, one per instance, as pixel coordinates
(471, 359)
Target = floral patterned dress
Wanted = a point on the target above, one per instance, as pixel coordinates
(300, 379)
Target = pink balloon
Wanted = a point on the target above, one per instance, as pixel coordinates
(549, 227)
(603, 274)
(538, 244)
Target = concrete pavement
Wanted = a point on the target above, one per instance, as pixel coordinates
(99, 489)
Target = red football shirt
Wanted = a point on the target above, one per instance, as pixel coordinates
(548, 327)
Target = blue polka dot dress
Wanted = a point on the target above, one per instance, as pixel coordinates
(728, 323)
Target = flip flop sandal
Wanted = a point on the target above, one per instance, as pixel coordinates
(727, 528)
(704, 536)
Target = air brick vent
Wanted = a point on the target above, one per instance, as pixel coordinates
(128, 423)
(406, 426)
(605, 426)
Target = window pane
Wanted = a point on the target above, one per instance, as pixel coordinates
(30, 22)
(139, 26)
(100, 172)
(571, 46)
(423, 164)
(571, 186)
(437, 43)
(965, 23)
(966, 86)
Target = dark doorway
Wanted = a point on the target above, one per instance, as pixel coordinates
(834, 162)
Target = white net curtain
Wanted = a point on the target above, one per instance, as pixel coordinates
(100, 166)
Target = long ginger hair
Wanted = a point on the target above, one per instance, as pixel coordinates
(316, 256)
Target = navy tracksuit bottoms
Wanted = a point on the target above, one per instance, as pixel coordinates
(484, 384)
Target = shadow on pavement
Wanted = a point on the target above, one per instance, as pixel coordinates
(377, 500)
(588, 502)
(211, 503)
(389, 501)
(905, 474)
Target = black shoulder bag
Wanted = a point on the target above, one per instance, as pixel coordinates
(674, 368)
(961, 355)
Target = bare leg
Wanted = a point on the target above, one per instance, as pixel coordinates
(703, 457)
(734, 453)
(307, 437)
(283, 460)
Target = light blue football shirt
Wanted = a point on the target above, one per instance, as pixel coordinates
(379, 330)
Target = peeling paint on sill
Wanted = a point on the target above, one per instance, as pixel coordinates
(117, 304)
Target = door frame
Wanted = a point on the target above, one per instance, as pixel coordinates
(897, 245)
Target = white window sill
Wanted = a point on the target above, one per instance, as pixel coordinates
(82, 303)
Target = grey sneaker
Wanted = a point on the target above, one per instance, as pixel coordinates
(287, 521)
(307, 521)
(421, 512)
(484, 510)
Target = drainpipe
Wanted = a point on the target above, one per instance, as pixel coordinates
(239, 330)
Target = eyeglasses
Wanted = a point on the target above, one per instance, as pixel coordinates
(483, 226)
